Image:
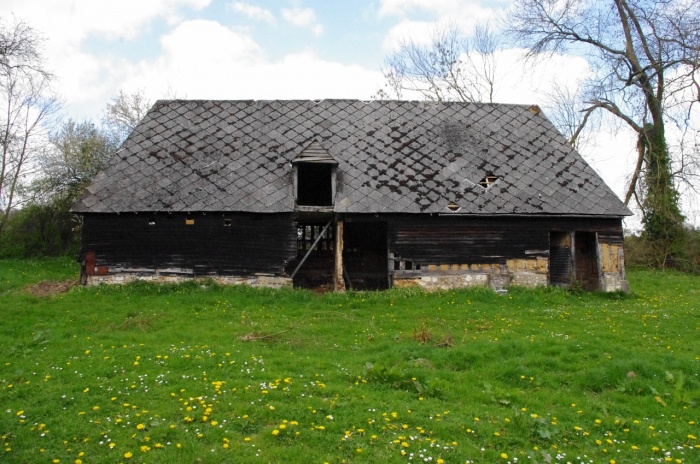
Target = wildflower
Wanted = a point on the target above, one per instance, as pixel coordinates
(112, 445)
(275, 432)
(140, 427)
(504, 456)
(128, 455)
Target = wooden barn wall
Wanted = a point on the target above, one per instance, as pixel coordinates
(463, 240)
(243, 245)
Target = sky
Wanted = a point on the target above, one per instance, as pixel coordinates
(273, 49)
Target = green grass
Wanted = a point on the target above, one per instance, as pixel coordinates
(200, 373)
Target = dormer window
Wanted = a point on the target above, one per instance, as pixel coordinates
(314, 178)
(315, 184)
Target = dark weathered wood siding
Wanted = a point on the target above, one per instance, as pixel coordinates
(427, 239)
(245, 244)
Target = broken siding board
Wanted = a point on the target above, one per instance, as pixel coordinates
(251, 244)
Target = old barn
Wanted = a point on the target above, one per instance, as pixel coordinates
(351, 194)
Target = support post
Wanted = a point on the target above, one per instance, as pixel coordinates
(338, 282)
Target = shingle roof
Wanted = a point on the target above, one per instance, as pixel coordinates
(393, 157)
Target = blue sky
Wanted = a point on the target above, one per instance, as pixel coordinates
(271, 49)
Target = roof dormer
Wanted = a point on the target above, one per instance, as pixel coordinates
(314, 179)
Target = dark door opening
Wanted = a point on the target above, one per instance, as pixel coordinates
(573, 259)
(586, 260)
(560, 259)
(365, 257)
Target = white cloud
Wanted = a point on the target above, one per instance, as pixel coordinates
(205, 60)
(302, 17)
(67, 24)
(440, 8)
(415, 31)
(254, 12)
(74, 20)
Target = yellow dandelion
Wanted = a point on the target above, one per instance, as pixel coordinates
(128, 455)
(140, 427)
(504, 456)
(275, 432)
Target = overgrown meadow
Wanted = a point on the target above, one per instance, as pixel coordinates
(201, 373)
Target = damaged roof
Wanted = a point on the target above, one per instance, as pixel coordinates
(392, 157)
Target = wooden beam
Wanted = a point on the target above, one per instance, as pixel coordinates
(338, 282)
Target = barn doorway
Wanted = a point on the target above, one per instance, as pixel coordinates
(365, 256)
(586, 260)
(573, 260)
(315, 255)
(560, 272)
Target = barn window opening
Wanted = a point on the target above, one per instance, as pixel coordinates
(307, 235)
(189, 221)
(402, 264)
(454, 207)
(315, 184)
(487, 181)
(227, 222)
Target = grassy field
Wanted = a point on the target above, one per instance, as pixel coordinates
(200, 373)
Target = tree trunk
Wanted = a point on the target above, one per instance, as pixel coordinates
(663, 221)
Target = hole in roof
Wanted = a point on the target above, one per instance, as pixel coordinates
(488, 180)
(454, 207)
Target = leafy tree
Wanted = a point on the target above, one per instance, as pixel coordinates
(644, 55)
(449, 68)
(26, 105)
(78, 151)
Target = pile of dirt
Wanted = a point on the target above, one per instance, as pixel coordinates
(51, 287)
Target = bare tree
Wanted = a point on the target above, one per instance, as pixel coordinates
(450, 68)
(124, 112)
(26, 105)
(568, 113)
(645, 57)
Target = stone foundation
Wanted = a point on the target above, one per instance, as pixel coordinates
(256, 280)
(614, 283)
(496, 281)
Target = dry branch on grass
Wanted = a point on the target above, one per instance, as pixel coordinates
(255, 336)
